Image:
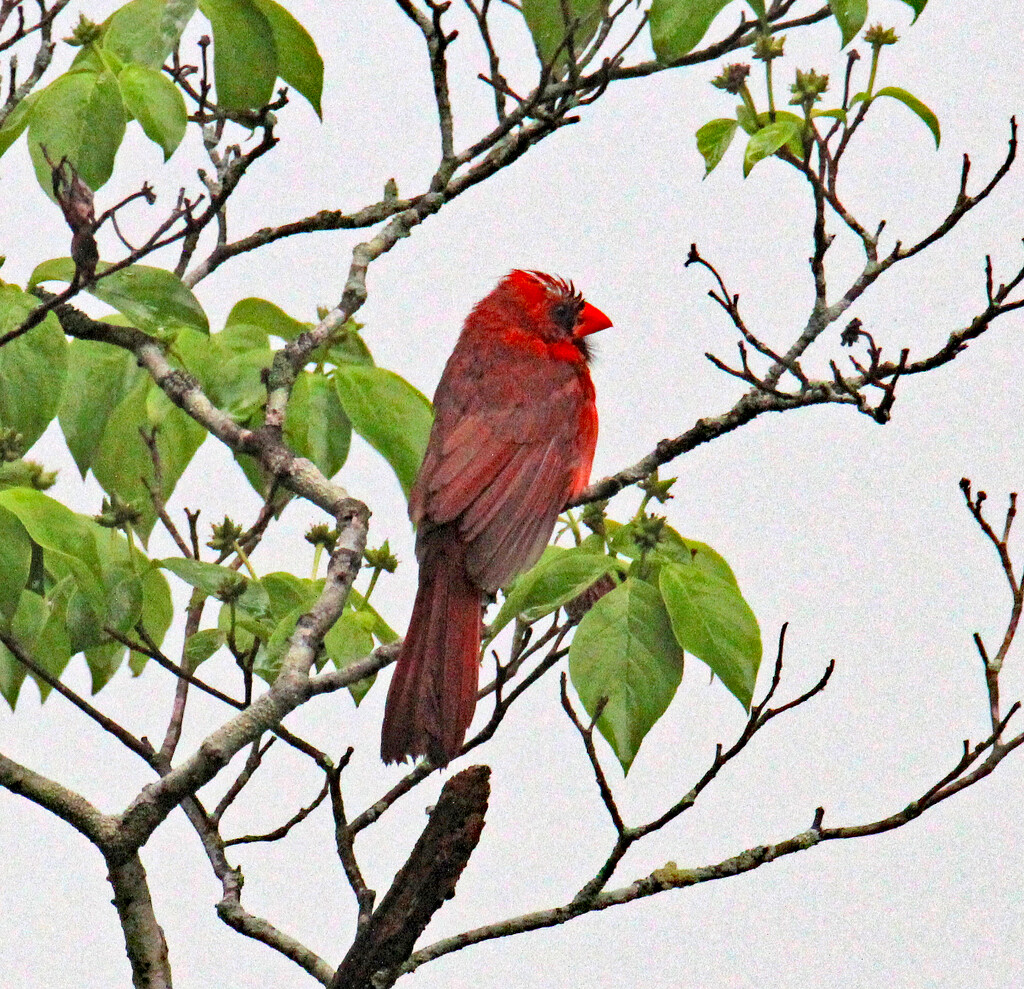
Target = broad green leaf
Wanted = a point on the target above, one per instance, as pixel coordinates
(15, 561)
(850, 15)
(123, 463)
(918, 6)
(32, 367)
(713, 140)
(677, 26)
(156, 103)
(672, 548)
(84, 622)
(99, 376)
(547, 24)
(39, 628)
(267, 664)
(913, 103)
(124, 598)
(391, 415)
(202, 645)
(315, 424)
(211, 577)
(559, 576)
(711, 620)
(60, 531)
(244, 56)
(348, 640)
(12, 676)
(79, 116)
(16, 122)
(838, 114)
(382, 631)
(757, 6)
(767, 141)
(624, 650)
(298, 62)
(270, 318)
(347, 346)
(288, 592)
(151, 298)
(146, 31)
(104, 661)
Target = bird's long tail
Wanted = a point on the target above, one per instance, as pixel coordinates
(433, 690)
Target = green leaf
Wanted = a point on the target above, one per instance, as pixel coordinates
(767, 141)
(757, 6)
(60, 531)
(152, 299)
(838, 114)
(711, 620)
(32, 367)
(918, 6)
(40, 629)
(15, 561)
(146, 31)
(244, 55)
(547, 24)
(382, 631)
(677, 26)
(913, 103)
(391, 415)
(99, 377)
(288, 592)
(271, 654)
(104, 661)
(624, 650)
(559, 576)
(315, 424)
(347, 346)
(713, 140)
(200, 646)
(123, 463)
(349, 640)
(850, 15)
(270, 318)
(12, 676)
(79, 116)
(124, 598)
(298, 62)
(209, 578)
(155, 102)
(16, 122)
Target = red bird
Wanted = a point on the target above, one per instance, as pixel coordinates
(513, 439)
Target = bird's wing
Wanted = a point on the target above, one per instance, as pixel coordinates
(506, 451)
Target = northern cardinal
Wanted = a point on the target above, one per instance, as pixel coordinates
(513, 440)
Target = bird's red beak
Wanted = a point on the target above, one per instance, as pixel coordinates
(590, 320)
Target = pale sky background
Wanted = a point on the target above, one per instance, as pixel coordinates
(853, 533)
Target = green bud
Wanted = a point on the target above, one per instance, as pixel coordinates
(769, 46)
(878, 36)
(381, 558)
(85, 32)
(593, 515)
(808, 88)
(12, 445)
(117, 513)
(657, 489)
(647, 531)
(231, 588)
(390, 190)
(323, 535)
(732, 78)
(225, 535)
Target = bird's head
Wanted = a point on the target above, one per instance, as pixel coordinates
(553, 306)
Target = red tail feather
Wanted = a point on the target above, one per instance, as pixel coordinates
(433, 690)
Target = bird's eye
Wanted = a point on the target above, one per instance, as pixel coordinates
(565, 315)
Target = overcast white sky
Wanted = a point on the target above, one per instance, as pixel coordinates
(853, 533)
